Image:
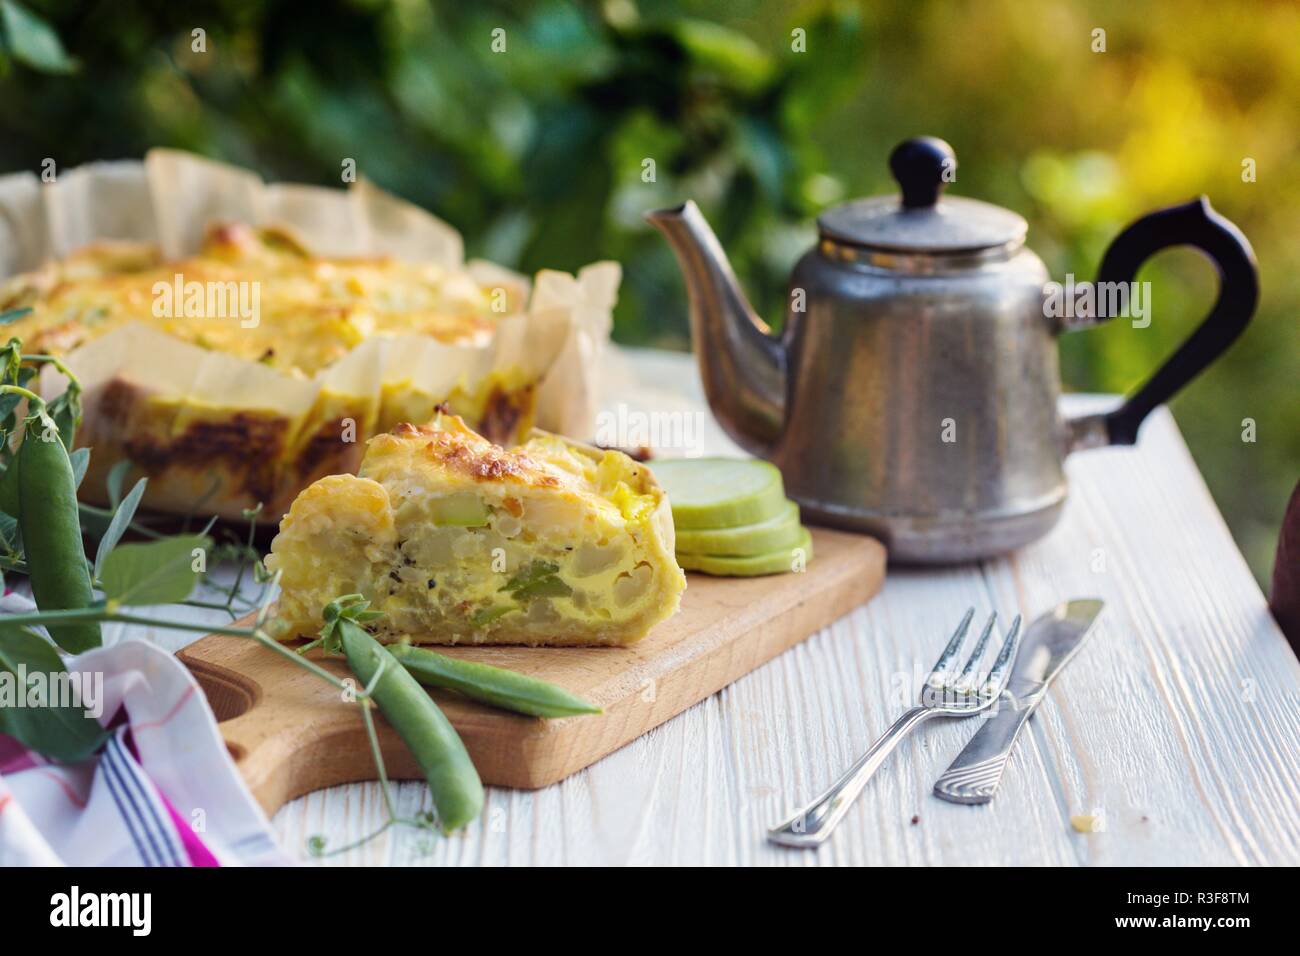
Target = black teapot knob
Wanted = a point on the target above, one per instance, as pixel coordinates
(922, 166)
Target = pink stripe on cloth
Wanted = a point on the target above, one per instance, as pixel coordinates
(15, 757)
(199, 855)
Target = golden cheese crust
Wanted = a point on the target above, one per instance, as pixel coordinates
(310, 310)
(455, 448)
(457, 540)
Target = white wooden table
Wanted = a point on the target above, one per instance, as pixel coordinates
(1177, 728)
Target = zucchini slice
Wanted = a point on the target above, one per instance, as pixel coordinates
(720, 492)
(746, 540)
(774, 562)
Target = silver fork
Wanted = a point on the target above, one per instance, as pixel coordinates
(940, 696)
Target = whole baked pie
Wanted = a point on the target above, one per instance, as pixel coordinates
(234, 363)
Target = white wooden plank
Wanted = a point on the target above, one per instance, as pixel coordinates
(1178, 723)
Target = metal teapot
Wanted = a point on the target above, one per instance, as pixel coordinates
(913, 392)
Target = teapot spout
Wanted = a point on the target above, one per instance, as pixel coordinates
(741, 364)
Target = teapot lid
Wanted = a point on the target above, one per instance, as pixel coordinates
(919, 221)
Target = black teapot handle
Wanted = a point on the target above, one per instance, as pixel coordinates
(1191, 224)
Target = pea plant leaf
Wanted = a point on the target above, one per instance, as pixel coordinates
(31, 41)
(154, 572)
(80, 462)
(117, 527)
(117, 475)
(29, 677)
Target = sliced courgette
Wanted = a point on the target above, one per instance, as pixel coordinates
(746, 540)
(775, 562)
(720, 492)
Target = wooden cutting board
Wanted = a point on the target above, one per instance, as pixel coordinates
(291, 733)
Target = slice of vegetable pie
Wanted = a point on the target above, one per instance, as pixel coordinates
(457, 540)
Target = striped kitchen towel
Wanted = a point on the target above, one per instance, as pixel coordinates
(163, 790)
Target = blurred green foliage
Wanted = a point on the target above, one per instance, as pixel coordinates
(540, 152)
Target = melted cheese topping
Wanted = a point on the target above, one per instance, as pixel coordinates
(310, 311)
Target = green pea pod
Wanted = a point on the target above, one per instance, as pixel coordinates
(491, 685)
(50, 523)
(426, 731)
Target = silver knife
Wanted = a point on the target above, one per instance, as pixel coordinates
(1048, 646)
